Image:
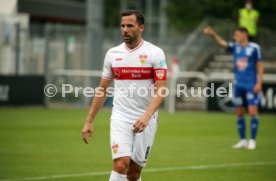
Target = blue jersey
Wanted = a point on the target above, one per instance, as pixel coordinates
(245, 63)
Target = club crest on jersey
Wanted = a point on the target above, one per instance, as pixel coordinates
(143, 59)
(160, 73)
(249, 51)
(115, 148)
(242, 64)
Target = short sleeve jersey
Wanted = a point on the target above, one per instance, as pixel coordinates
(245, 63)
(134, 72)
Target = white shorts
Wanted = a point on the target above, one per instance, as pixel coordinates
(124, 142)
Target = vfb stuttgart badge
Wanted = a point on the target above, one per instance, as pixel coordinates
(115, 148)
(143, 59)
(160, 73)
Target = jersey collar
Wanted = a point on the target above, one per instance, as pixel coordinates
(136, 48)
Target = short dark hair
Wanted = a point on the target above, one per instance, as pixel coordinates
(139, 16)
(242, 29)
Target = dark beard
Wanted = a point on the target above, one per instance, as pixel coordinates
(128, 40)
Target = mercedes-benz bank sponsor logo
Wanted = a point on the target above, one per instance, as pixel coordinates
(4, 93)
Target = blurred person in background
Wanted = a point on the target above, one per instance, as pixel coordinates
(248, 71)
(248, 18)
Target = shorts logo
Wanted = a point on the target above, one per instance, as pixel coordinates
(160, 73)
(115, 148)
(143, 59)
(238, 101)
(147, 152)
(250, 96)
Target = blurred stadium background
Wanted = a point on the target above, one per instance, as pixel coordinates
(56, 42)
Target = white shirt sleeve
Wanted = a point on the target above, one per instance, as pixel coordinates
(258, 53)
(107, 68)
(159, 65)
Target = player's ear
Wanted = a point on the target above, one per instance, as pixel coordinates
(142, 28)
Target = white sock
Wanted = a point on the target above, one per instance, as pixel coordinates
(117, 177)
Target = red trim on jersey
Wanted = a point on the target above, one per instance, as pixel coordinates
(160, 74)
(132, 50)
(132, 73)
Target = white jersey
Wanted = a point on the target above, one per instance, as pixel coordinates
(134, 72)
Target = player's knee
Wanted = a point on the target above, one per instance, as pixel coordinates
(133, 176)
(134, 173)
(240, 113)
(121, 166)
(253, 113)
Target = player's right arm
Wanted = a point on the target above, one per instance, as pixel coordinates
(99, 98)
(97, 103)
(208, 30)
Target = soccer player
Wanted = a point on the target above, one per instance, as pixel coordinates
(248, 70)
(133, 65)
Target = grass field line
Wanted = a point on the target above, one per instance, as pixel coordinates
(195, 167)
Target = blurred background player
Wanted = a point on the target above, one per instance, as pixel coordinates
(134, 117)
(248, 18)
(248, 70)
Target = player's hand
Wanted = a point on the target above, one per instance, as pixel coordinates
(258, 88)
(140, 124)
(87, 131)
(208, 30)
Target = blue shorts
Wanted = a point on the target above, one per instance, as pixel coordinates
(245, 97)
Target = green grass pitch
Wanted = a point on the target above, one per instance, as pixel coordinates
(46, 144)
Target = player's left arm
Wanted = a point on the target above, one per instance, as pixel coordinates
(159, 93)
(260, 72)
(160, 76)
